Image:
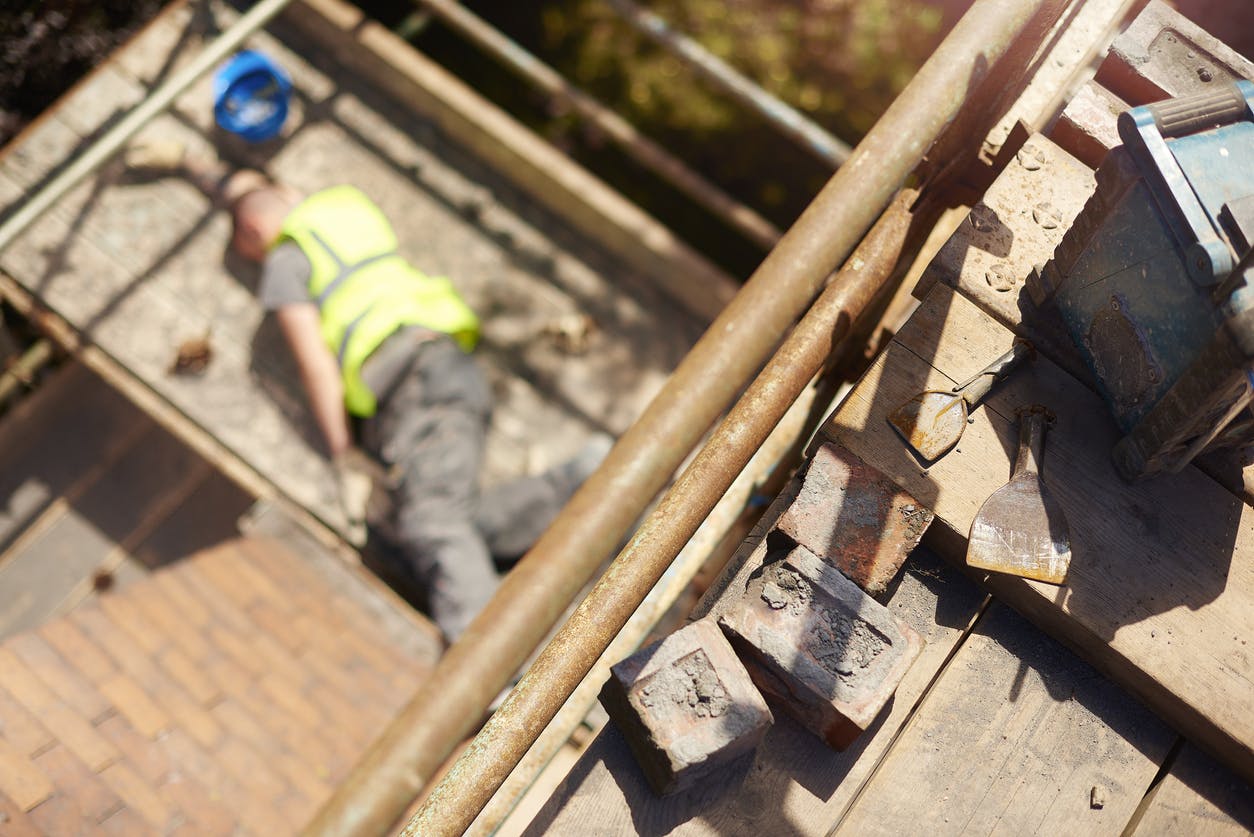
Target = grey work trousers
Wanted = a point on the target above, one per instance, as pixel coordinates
(430, 432)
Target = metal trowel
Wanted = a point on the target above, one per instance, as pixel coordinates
(932, 422)
(1021, 529)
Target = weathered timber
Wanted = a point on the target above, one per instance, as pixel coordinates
(1164, 54)
(1014, 738)
(1199, 797)
(1161, 591)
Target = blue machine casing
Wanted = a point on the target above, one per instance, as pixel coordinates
(1153, 280)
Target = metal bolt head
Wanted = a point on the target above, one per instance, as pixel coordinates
(1031, 157)
(1205, 74)
(1000, 277)
(1046, 215)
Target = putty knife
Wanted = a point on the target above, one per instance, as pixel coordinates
(932, 422)
(1021, 529)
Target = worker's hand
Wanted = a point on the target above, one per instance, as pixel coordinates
(354, 483)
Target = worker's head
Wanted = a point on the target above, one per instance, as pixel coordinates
(259, 213)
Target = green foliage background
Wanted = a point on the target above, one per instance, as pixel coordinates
(840, 62)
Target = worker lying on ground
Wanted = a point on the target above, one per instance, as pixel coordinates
(376, 338)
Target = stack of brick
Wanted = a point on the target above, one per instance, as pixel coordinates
(226, 694)
(805, 630)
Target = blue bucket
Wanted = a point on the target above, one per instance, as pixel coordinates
(250, 96)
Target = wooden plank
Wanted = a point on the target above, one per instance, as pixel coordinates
(1161, 591)
(796, 784)
(1081, 34)
(44, 452)
(51, 568)
(1199, 797)
(1018, 736)
(206, 517)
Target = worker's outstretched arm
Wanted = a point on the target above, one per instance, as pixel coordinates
(319, 372)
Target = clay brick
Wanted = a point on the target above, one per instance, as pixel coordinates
(189, 606)
(242, 761)
(855, 518)
(21, 780)
(686, 706)
(127, 822)
(128, 618)
(305, 777)
(14, 822)
(1086, 129)
(57, 815)
(77, 649)
(291, 702)
(236, 649)
(162, 611)
(92, 798)
(254, 812)
(161, 691)
(21, 728)
(64, 680)
(825, 651)
(278, 623)
(190, 675)
(138, 795)
(75, 731)
(133, 703)
(318, 750)
(147, 758)
(234, 579)
(204, 815)
(190, 579)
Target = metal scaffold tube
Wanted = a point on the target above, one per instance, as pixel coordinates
(640, 148)
(537, 592)
(786, 119)
(99, 152)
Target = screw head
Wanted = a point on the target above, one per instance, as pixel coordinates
(1046, 215)
(1000, 277)
(1030, 157)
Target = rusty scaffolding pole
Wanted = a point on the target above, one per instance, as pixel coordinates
(811, 136)
(537, 591)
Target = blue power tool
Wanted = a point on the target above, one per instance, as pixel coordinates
(1155, 279)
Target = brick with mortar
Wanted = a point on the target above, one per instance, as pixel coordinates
(820, 647)
(686, 706)
(861, 522)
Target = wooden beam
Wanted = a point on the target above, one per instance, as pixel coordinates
(1018, 736)
(1161, 591)
(1199, 797)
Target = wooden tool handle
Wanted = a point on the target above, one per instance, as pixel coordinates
(1033, 422)
(978, 386)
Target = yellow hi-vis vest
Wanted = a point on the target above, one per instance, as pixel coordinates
(364, 290)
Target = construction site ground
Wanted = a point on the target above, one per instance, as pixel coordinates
(186, 647)
(128, 485)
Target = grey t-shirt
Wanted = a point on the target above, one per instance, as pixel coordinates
(285, 281)
(284, 277)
